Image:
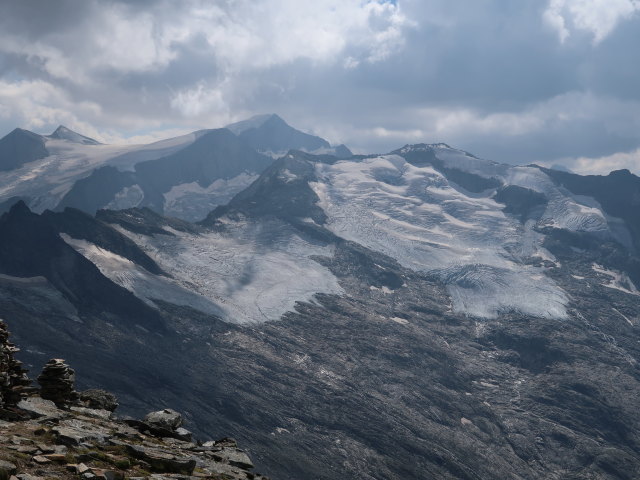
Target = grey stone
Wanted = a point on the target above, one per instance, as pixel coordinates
(7, 469)
(183, 434)
(167, 419)
(76, 433)
(27, 449)
(163, 462)
(108, 474)
(99, 399)
(92, 412)
(233, 456)
(44, 448)
(39, 407)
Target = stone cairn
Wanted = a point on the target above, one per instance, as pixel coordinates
(14, 383)
(57, 382)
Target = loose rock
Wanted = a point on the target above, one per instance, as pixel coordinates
(167, 419)
(7, 469)
(14, 382)
(99, 399)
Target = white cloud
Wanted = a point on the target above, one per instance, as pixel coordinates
(574, 121)
(201, 100)
(36, 104)
(598, 17)
(112, 38)
(602, 165)
(244, 35)
(261, 33)
(564, 110)
(242, 38)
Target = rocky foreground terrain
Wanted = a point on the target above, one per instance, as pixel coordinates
(58, 433)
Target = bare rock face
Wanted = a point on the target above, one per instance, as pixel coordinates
(57, 382)
(99, 399)
(13, 378)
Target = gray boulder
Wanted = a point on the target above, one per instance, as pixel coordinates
(165, 419)
(7, 469)
(99, 399)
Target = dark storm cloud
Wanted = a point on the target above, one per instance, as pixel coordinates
(527, 81)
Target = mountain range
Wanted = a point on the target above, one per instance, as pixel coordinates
(185, 177)
(423, 313)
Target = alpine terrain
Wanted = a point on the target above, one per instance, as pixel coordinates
(422, 313)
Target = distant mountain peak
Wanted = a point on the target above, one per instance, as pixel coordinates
(19, 208)
(419, 147)
(270, 134)
(254, 122)
(65, 133)
(20, 147)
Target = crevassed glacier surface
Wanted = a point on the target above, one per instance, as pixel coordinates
(252, 272)
(416, 216)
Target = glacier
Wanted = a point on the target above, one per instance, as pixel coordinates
(428, 224)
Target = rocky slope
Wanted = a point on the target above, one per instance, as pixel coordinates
(58, 433)
(421, 314)
(20, 147)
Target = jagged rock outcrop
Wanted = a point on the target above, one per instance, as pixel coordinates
(163, 423)
(13, 378)
(57, 382)
(97, 398)
(59, 433)
(79, 443)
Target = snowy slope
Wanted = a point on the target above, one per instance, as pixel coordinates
(254, 122)
(63, 133)
(250, 273)
(490, 260)
(416, 216)
(47, 180)
(272, 136)
(190, 201)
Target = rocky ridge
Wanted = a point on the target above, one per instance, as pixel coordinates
(60, 433)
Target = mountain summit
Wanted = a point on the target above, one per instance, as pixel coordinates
(20, 147)
(64, 133)
(271, 134)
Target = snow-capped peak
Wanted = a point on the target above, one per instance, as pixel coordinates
(64, 133)
(254, 122)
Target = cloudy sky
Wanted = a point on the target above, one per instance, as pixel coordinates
(546, 81)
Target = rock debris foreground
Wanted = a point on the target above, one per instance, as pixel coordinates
(13, 378)
(60, 433)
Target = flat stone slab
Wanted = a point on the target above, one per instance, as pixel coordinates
(163, 462)
(39, 407)
(75, 432)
